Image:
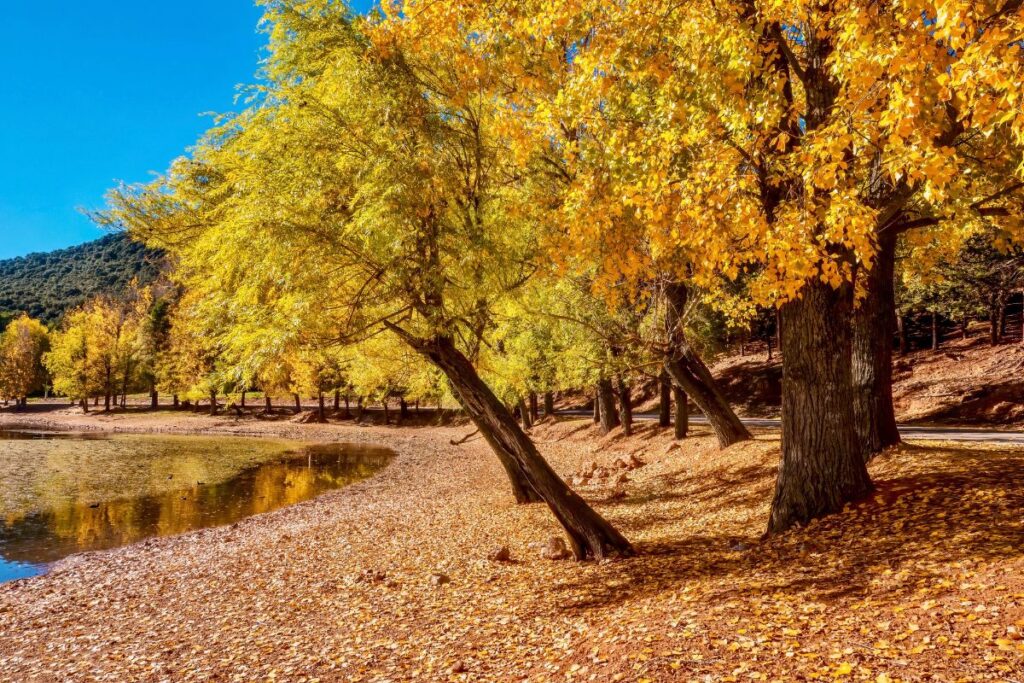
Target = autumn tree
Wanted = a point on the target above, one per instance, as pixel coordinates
(22, 346)
(371, 157)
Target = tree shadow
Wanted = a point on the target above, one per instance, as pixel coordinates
(933, 506)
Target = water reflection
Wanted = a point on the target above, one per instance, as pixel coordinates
(32, 539)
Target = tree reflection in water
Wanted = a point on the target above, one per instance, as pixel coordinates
(70, 524)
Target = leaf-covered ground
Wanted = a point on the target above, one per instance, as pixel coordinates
(921, 582)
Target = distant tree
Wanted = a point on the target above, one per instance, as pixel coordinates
(22, 346)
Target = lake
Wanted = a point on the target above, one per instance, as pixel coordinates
(64, 493)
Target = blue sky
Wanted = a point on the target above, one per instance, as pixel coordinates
(107, 90)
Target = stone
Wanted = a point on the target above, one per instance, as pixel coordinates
(635, 463)
(458, 668)
(622, 479)
(439, 579)
(620, 464)
(502, 554)
(555, 549)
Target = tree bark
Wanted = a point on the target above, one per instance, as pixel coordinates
(154, 399)
(534, 408)
(690, 374)
(935, 331)
(590, 535)
(625, 407)
(243, 398)
(682, 419)
(993, 320)
(606, 398)
(213, 403)
(597, 406)
(665, 402)
(874, 324)
(298, 403)
(268, 405)
(822, 465)
(175, 402)
(337, 400)
(321, 408)
(549, 404)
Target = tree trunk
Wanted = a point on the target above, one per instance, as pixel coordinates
(298, 403)
(268, 405)
(606, 397)
(625, 407)
(682, 420)
(348, 409)
(597, 406)
(321, 407)
(690, 374)
(1003, 310)
(874, 323)
(213, 403)
(154, 399)
(403, 407)
(993, 322)
(589, 534)
(901, 327)
(359, 409)
(387, 413)
(243, 399)
(822, 465)
(534, 408)
(175, 402)
(665, 403)
(965, 328)
(524, 414)
(85, 406)
(935, 331)
(549, 404)
(337, 400)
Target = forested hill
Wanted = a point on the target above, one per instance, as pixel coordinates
(46, 285)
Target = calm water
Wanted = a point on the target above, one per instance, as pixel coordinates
(67, 493)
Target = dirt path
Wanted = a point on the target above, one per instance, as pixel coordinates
(923, 582)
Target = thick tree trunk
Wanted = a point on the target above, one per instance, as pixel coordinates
(549, 404)
(874, 323)
(682, 419)
(534, 408)
(85, 406)
(337, 400)
(268, 407)
(213, 403)
(321, 407)
(175, 402)
(298, 403)
(690, 374)
(665, 400)
(606, 397)
(403, 408)
(625, 407)
(589, 534)
(154, 399)
(822, 464)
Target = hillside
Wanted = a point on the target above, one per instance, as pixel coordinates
(967, 381)
(46, 285)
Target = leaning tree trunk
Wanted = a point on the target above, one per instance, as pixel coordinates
(874, 324)
(682, 420)
(689, 372)
(665, 400)
(590, 535)
(625, 407)
(606, 399)
(822, 464)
